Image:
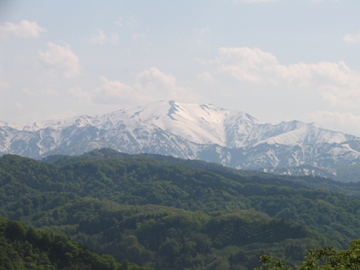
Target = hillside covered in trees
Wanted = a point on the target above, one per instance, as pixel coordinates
(24, 247)
(168, 213)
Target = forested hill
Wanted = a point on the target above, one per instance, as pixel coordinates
(349, 187)
(175, 214)
(24, 247)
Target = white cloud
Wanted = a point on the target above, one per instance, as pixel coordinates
(149, 85)
(336, 82)
(348, 122)
(245, 63)
(111, 92)
(23, 29)
(102, 38)
(154, 84)
(352, 38)
(154, 78)
(58, 60)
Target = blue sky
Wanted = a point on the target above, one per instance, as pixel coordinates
(276, 60)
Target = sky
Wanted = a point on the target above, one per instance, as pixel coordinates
(277, 60)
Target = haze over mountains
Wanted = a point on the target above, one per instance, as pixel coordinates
(189, 131)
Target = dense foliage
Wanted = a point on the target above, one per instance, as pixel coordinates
(171, 238)
(175, 214)
(320, 259)
(22, 247)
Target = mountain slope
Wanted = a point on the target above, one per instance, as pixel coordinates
(188, 131)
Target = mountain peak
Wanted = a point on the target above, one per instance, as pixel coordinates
(190, 131)
(202, 124)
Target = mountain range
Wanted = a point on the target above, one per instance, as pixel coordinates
(190, 131)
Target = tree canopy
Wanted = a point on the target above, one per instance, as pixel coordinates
(173, 214)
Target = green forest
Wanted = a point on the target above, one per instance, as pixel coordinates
(166, 213)
(24, 247)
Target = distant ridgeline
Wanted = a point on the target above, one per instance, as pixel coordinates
(193, 131)
(169, 213)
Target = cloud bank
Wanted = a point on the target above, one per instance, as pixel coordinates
(149, 85)
(335, 82)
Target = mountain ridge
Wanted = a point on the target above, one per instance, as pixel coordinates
(190, 131)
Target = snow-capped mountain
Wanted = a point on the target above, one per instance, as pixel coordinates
(189, 131)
